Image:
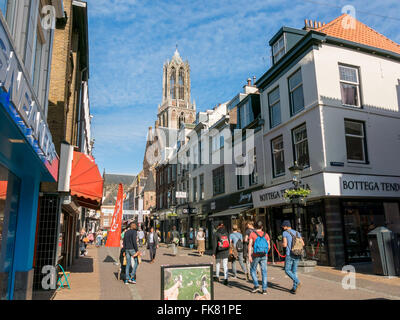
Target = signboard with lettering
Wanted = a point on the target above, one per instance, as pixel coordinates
(361, 185)
(332, 184)
(22, 105)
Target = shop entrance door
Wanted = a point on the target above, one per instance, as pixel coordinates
(278, 216)
(359, 219)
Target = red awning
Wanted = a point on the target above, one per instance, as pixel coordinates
(3, 189)
(86, 182)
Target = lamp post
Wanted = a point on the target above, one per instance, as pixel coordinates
(296, 172)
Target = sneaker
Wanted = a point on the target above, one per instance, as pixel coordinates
(293, 291)
(264, 292)
(255, 290)
(226, 282)
(126, 282)
(298, 286)
(216, 279)
(132, 281)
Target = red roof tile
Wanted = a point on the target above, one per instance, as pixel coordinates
(342, 27)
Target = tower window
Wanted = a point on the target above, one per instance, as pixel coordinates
(181, 84)
(172, 83)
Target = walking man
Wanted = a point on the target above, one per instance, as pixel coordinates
(259, 245)
(175, 240)
(141, 237)
(152, 243)
(236, 240)
(294, 244)
(130, 248)
(221, 251)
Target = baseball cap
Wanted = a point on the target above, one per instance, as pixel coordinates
(286, 223)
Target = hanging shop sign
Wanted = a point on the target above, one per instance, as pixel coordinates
(22, 105)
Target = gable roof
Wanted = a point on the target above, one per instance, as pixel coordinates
(360, 34)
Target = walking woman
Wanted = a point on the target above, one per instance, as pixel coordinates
(152, 243)
(83, 240)
(201, 241)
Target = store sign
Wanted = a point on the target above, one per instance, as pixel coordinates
(22, 103)
(361, 185)
(180, 195)
(275, 195)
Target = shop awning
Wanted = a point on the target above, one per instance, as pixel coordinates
(86, 182)
(229, 212)
(3, 189)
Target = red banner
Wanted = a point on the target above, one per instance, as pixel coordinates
(114, 234)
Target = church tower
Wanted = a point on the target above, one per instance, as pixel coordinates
(176, 107)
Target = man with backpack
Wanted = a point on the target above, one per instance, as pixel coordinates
(294, 244)
(236, 241)
(221, 251)
(259, 245)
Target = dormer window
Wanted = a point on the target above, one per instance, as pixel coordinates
(278, 49)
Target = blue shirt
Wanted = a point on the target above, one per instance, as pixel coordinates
(289, 239)
(235, 237)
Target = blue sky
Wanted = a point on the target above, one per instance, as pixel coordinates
(225, 42)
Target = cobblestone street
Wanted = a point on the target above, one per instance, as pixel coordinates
(96, 277)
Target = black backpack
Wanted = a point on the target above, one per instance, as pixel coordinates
(239, 246)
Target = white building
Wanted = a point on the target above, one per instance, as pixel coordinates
(331, 102)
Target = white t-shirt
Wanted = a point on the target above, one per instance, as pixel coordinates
(200, 235)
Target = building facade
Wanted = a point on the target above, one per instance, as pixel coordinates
(28, 156)
(330, 102)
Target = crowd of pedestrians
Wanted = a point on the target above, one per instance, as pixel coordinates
(250, 250)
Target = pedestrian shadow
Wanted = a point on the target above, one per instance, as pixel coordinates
(275, 286)
(194, 254)
(109, 259)
(239, 285)
(170, 254)
(146, 260)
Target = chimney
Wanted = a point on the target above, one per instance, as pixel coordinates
(254, 80)
(249, 82)
(311, 25)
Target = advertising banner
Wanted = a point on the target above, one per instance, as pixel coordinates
(114, 235)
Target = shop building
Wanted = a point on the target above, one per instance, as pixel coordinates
(28, 155)
(330, 101)
(69, 205)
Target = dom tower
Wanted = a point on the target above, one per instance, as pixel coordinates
(176, 107)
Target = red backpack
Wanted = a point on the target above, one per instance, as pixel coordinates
(223, 242)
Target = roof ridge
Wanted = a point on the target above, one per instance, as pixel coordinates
(379, 41)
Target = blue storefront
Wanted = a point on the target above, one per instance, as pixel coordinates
(27, 158)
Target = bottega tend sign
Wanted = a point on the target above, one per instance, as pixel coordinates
(13, 81)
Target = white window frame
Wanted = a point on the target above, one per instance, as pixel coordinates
(295, 143)
(277, 55)
(357, 84)
(291, 90)
(273, 141)
(273, 104)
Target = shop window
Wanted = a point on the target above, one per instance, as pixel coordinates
(349, 86)
(359, 219)
(9, 198)
(355, 141)
(300, 142)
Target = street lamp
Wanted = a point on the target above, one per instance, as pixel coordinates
(296, 171)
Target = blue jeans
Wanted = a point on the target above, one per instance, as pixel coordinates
(262, 261)
(291, 265)
(129, 253)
